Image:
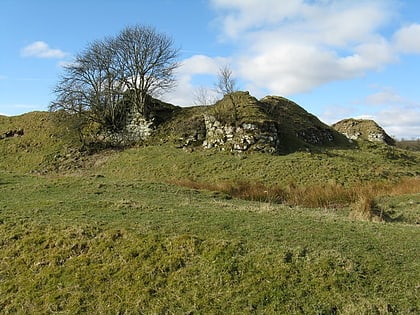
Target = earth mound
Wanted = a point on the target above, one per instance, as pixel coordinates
(240, 122)
(364, 129)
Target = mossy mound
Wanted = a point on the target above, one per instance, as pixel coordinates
(241, 122)
(40, 136)
(238, 108)
(161, 111)
(186, 125)
(363, 129)
(300, 129)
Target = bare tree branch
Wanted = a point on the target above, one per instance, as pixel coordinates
(225, 84)
(203, 96)
(147, 61)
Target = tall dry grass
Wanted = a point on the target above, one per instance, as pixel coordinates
(365, 209)
(331, 195)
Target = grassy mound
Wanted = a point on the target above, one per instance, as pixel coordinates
(238, 108)
(365, 129)
(344, 167)
(185, 124)
(42, 137)
(296, 128)
(300, 129)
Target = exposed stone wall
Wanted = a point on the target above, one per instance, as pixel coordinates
(138, 128)
(272, 125)
(380, 137)
(245, 137)
(12, 133)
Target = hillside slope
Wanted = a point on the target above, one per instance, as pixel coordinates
(41, 138)
(113, 241)
(315, 151)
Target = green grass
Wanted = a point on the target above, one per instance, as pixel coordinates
(161, 163)
(42, 139)
(110, 233)
(99, 244)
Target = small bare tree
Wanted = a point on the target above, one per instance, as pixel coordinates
(203, 96)
(225, 86)
(91, 91)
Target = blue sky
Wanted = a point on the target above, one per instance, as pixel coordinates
(336, 58)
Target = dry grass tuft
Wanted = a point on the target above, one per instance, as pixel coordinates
(365, 209)
(409, 185)
(360, 197)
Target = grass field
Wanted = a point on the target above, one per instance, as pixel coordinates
(157, 230)
(94, 244)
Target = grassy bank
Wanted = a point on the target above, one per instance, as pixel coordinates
(98, 244)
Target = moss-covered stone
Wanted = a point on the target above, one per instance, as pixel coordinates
(363, 129)
(240, 122)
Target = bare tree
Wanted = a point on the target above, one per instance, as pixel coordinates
(225, 84)
(111, 73)
(146, 60)
(72, 103)
(203, 96)
(91, 92)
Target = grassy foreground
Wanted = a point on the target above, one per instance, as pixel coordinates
(118, 232)
(103, 244)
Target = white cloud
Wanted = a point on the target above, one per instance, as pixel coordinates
(335, 113)
(384, 97)
(289, 68)
(184, 93)
(369, 56)
(398, 115)
(397, 122)
(66, 63)
(41, 49)
(294, 46)
(395, 107)
(403, 122)
(242, 15)
(407, 39)
(201, 64)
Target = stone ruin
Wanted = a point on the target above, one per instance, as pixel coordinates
(363, 129)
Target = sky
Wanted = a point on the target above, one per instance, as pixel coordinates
(336, 58)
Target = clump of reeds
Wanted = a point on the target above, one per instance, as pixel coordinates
(360, 197)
